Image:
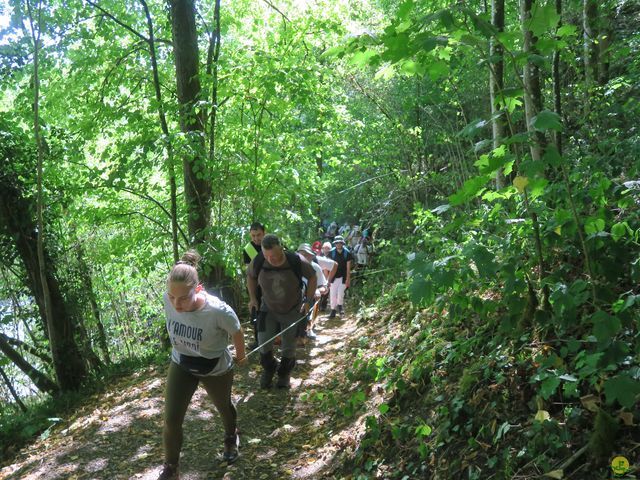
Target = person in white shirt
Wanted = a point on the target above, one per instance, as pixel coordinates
(320, 265)
(199, 327)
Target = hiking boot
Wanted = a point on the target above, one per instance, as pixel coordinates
(311, 335)
(269, 367)
(340, 310)
(231, 445)
(284, 372)
(169, 472)
(332, 314)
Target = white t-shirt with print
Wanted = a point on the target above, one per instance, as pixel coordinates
(204, 332)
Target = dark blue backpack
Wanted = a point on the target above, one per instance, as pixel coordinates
(334, 253)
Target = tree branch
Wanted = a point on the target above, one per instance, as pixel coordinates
(122, 24)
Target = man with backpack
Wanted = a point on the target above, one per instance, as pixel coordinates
(279, 274)
(341, 280)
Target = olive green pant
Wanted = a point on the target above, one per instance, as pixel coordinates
(181, 386)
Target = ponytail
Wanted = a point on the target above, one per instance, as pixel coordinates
(186, 270)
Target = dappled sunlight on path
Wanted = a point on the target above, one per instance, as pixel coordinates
(117, 435)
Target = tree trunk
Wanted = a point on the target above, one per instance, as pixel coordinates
(68, 364)
(87, 281)
(165, 130)
(531, 79)
(14, 394)
(537, 142)
(40, 380)
(604, 44)
(196, 173)
(496, 81)
(30, 349)
(590, 46)
(555, 69)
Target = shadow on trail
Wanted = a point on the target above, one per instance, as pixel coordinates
(120, 437)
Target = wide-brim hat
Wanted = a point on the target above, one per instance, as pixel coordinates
(306, 248)
(338, 239)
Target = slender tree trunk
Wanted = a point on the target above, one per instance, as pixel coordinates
(165, 131)
(604, 44)
(557, 98)
(14, 394)
(537, 142)
(87, 281)
(496, 81)
(590, 47)
(557, 102)
(531, 79)
(68, 364)
(196, 173)
(30, 349)
(40, 380)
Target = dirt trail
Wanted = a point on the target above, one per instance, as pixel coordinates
(117, 435)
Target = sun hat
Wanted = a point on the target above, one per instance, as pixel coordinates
(306, 248)
(338, 239)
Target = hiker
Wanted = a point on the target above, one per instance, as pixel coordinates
(320, 265)
(199, 327)
(341, 280)
(250, 251)
(354, 237)
(363, 251)
(279, 274)
(344, 230)
(324, 299)
(332, 231)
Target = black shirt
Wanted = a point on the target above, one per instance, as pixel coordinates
(342, 259)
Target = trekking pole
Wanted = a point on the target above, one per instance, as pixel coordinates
(282, 331)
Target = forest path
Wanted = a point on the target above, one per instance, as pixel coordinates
(117, 434)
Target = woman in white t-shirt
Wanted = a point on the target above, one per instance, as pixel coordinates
(199, 327)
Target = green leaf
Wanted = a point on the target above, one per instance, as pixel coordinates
(484, 261)
(405, 9)
(473, 128)
(471, 188)
(543, 19)
(605, 327)
(383, 408)
(567, 31)
(537, 186)
(552, 156)
(438, 69)
(337, 51)
(387, 72)
(622, 388)
(619, 230)
(360, 59)
(547, 120)
(404, 26)
(548, 386)
(594, 225)
(410, 67)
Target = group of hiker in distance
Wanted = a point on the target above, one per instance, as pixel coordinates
(286, 292)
